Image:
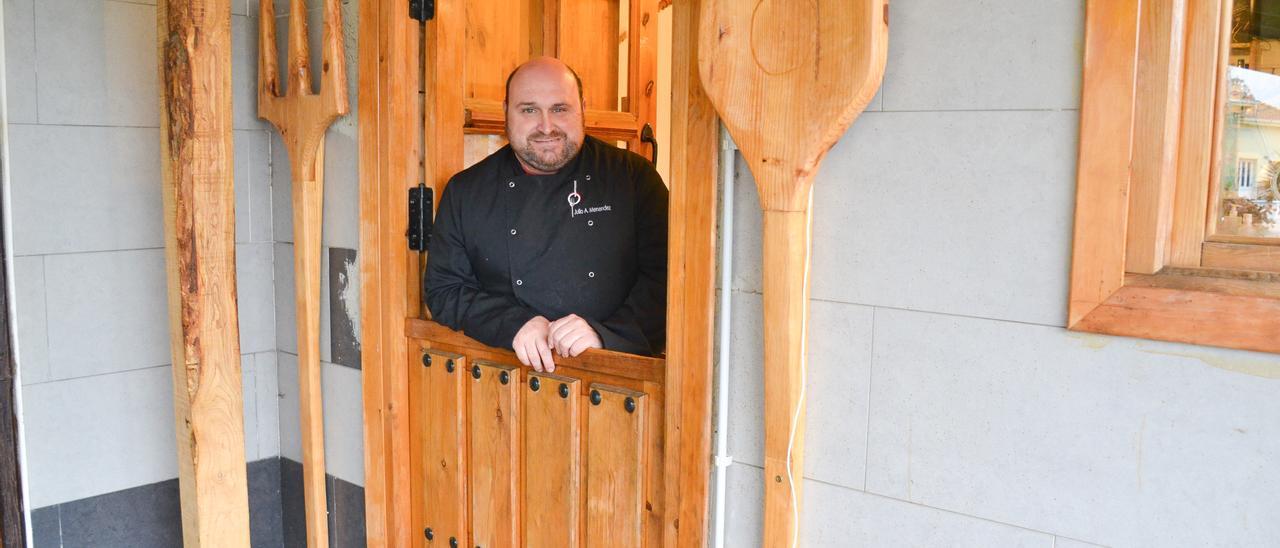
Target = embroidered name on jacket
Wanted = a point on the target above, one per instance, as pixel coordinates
(594, 209)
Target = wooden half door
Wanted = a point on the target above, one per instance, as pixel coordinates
(500, 455)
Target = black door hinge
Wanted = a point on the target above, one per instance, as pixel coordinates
(422, 10)
(420, 206)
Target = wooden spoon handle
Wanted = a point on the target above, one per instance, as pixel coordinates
(786, 311)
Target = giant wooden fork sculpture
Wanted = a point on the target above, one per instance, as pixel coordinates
(302, 117)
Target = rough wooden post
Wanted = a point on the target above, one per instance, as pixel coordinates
(194, 39)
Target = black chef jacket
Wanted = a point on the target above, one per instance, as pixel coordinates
(508, 246)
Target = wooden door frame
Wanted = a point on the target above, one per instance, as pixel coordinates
(390, 146)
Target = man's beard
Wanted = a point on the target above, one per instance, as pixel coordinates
(550, 161)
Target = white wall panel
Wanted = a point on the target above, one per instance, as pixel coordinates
(995, 54)
(107, 312)
(99, 434)
(96, 61)
(837, 386)
(1107, 440)
(33, 323)
(85, 188)
(838, 517)
(343, 417)
(20, 61)
(256, 297)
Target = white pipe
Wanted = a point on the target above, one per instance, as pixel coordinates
(6, 196)
(722, 457)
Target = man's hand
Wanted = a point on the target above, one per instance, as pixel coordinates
(572, 335)
(531, 344)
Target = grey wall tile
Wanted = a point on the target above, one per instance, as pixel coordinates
(1064, 542)
(996, 54)
(341, 187)
(281, 191)
(143, 517)
(285, 301)
(107, 312)
(253, 186)
(837, 387)
(344, 307)
(267, 400)
(20, 60)
(248, 392)
(85, 188)
(343, 423)
(290, 422)
(97, 63)
(834, 516)
(256, 296)
(960, 212)
(1108, 440)
(343, 417)
(244, 74)
(46, 529)
(95, 435)
(33, 324)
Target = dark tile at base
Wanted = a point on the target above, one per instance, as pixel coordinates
(46, 532)
(264, 504)
(141, 517)
(293, 505)
(349, 501)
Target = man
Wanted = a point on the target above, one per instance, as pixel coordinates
(557, 242)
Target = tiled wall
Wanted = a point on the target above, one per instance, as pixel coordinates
(88, 240)
(947, 405)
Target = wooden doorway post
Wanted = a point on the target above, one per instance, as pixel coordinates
(194, 41)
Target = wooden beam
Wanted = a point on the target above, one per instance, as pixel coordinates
(194, 43)
(1156, 125)
(1200, 107)
(389, 143)
(691, 283)
(1106, 142)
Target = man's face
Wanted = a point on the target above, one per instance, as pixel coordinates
(544, 118)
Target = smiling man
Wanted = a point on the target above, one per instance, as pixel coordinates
(557, 242)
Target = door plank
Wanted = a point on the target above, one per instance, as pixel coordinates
(495, 455)
(441, 423)
(552, 462)
(615, 466)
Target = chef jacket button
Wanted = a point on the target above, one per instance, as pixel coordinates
(519, 282)
(513, 232)
(591, 223)
(591, 274)
(511, 184)
(588, 177)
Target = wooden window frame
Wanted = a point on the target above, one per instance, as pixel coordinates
(1145, 208)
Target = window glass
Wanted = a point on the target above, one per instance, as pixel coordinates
(1249, 183)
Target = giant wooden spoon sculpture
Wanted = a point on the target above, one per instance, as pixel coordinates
(787, 78)
(302, 118)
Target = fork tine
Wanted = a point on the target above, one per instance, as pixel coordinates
(268, 70)
(299, 81)
(333, 78)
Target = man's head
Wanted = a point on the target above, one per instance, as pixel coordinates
(544, 109)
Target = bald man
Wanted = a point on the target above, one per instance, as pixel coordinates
(557, 242)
